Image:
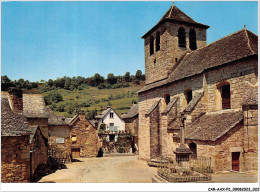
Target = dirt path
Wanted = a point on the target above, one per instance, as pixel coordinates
(127, 169)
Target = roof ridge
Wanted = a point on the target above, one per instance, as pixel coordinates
(171, 10)
(248, 41)
(217, 41)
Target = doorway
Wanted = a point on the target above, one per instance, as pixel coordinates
(235, 161)
(75, 152)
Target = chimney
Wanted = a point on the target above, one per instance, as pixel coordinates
(108, 107)
(16, 99)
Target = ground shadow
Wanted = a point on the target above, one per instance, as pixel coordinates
(46, 169)
(76, 160)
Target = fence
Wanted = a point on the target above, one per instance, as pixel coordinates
(185, 170)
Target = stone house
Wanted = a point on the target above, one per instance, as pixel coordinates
(23, 147)
(206, 83)
(131, 124)
(59, 134)
(84, 137)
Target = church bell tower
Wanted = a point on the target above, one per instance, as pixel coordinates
(168, 41)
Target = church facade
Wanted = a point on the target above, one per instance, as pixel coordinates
(214, 86)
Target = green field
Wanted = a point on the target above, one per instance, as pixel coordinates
(120, 99)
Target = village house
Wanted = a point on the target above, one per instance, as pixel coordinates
(111, 121)
(72, 137)
(84, 137)
(131, 124)
(23, 146)
(206, 85)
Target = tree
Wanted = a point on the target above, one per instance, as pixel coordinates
(127, 76)
(50, 82)
(6, 83)
(53, 97)
(98, 79)
(138, 74)
(111, 79)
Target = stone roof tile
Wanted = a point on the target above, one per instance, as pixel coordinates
(155, 104)
(132, 112)
(194, 101)
(170, 105)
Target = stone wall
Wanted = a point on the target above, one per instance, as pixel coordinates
(40, 151)
(251, 138)
(15, 159)
(155, 140)
(230, 142)
(161, 63)
(131, 125)
(60, 132)
(42, 122)
(87, 137)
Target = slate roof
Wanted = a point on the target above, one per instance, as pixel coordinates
(194, 101)
(170, 105)
(155, 104)
(213, 125)
(34, 106)
(93, 122)
(175, 14)
(233, 47)
(54, 119)
(12, 124)
(132, 112)
(250, 96)
(103, 114)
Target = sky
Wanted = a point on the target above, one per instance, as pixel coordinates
(47, 40)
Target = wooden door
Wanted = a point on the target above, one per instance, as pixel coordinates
(75, 153)
(235, 161)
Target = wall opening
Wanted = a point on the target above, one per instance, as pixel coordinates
(193, 148)
(182, 37)
(151, 45)
(192, 39)
(167, 98)
(158, 41)
(235, 161)
(225, 94)
(188, 96)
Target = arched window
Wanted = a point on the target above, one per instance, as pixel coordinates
(223, 96)
(193, 148)
(167, 99)
(188, 95)
(192, 38)
(182, 37)
(151, 45)
(158, 41)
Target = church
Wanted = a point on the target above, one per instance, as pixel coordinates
(214, 86)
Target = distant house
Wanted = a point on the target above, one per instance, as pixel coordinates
(23, 147)
(84, 137)
(111, 120)
(59, 134)
(131, 119)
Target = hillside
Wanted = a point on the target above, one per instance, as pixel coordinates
(92, 98)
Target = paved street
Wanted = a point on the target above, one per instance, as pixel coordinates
(124, 169)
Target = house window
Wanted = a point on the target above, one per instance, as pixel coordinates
(151, 45)
(74, 138)
(111, 138)
(225, 94)
(111, 124)
(158, 41)
(167, 99)
(192, 38)
(188, 96)
(111, 115)
(182, 37)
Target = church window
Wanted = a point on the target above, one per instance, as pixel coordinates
(225, 94)
(182, 37)
(167, 99)
(193, 148)
(188, 96)
(158, 41)
(192, 38)
(151, 45)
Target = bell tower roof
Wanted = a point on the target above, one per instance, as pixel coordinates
(175, 15)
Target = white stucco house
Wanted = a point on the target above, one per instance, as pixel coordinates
(111, 119)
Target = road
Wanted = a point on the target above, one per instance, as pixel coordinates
(125, 169)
